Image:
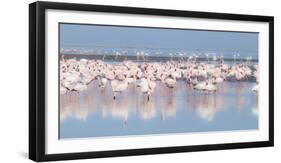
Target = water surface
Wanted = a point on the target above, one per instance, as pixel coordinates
(94, 113)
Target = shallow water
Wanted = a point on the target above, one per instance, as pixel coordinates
(94, 113)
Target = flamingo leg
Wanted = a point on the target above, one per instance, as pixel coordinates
(114, 95)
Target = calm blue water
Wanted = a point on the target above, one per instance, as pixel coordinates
(95, 114)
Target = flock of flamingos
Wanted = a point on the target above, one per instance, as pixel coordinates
(76, 75)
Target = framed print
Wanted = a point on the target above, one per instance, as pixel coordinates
(110, 81)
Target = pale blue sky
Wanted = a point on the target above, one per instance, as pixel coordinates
(172, 40)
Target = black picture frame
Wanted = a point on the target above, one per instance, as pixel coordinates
(37, 78)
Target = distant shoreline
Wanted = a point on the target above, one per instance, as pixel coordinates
(150, 58)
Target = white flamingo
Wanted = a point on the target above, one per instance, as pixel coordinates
(118, 86)
(102, 83)
(79, 87)
(170, 82)
(256, 88)
(63, 90)
(210, 87)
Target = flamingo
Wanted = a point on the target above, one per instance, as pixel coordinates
(63, 90)
(102, 83)
(215, 58)
(147, 86)
(75, 75)
(170, 82)
(256, 88)
(79, 87)
(218, 80)
(200, 86)
(118, 86)
(210, 87)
